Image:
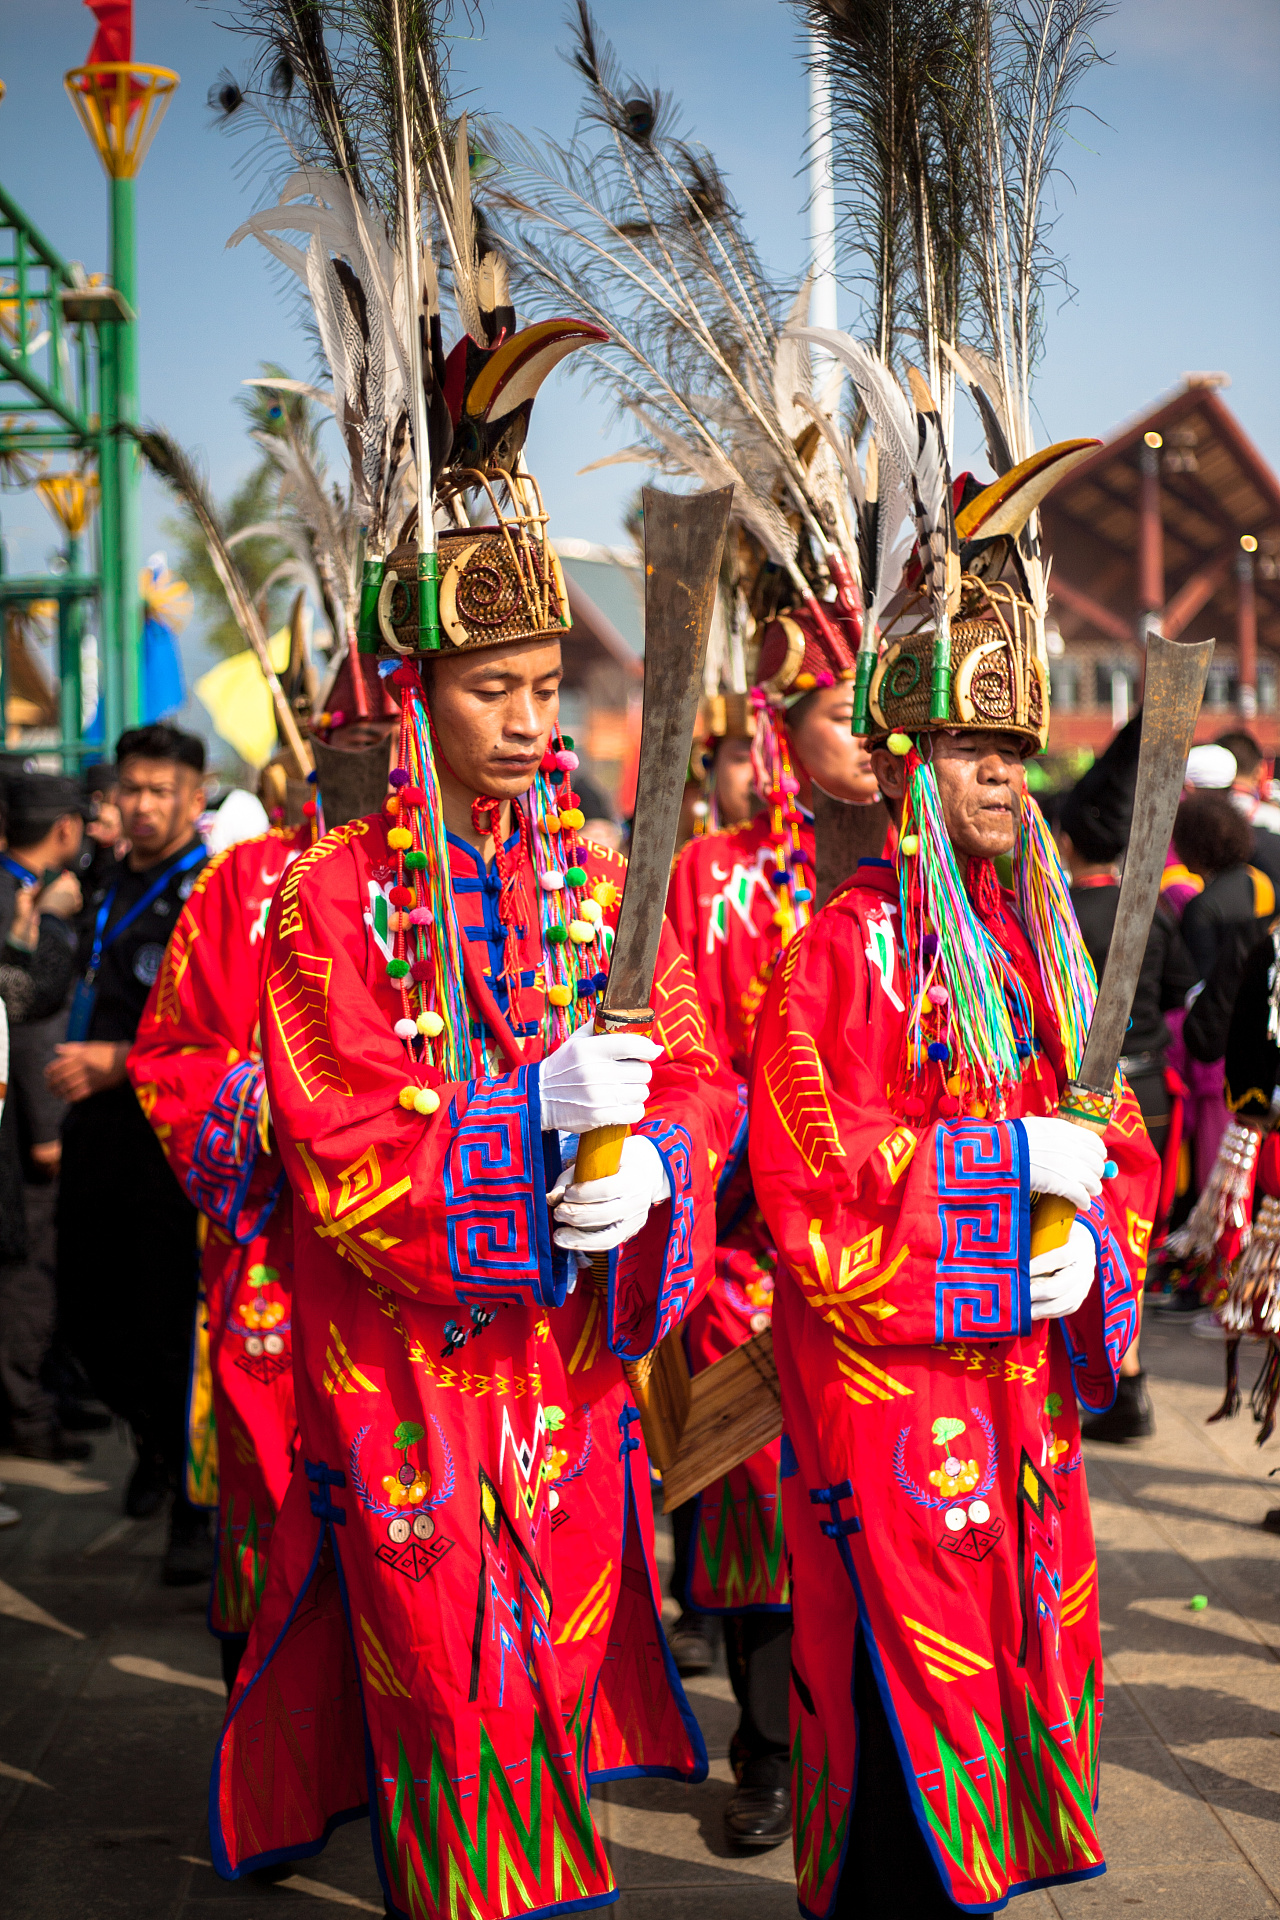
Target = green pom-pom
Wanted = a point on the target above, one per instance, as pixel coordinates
(556, 936)
(397, 969)
(416, 861)
(576, 877)
(566, 740)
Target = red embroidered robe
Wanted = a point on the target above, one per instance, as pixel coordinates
(196, 1067)
(723, 904)
(467, 1529)
(933, 1496)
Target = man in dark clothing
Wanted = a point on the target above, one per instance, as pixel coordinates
(1093, 833)
(1246, 793)
(38, 900)
(127, 1257)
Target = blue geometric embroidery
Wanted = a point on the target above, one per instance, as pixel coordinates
(226, 1153)
(496, 1229)
(984, 1216)
(1096, 1375)
(637, 1328)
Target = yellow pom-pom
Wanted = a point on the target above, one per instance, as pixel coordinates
(560, 996)
(909, 844)
(572, 817)
(582, 931)
(431, 1024)
(399, 837)
(407, 1097)
(899, 743)
(604, 894)
(426, 1100)
(955, 1084)
(591, 910)
(804, 681)
(552, 823)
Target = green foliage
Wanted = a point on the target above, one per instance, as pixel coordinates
(253, 500)
(407, 1435)
(944, 1430)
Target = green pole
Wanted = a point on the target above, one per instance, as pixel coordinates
(128, 532)
(70, 628)
(109, 699)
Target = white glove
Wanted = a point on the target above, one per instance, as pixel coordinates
(597, 1080)
(1060, 1280)
(1065, 1160)
(603, 1213)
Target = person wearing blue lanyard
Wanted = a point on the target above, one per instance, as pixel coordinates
(127, 1256)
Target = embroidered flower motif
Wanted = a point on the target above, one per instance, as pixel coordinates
(954, 1477)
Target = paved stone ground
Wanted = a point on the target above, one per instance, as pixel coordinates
(110, 1701)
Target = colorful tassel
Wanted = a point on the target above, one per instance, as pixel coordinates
(1044, 904)
(948, 947)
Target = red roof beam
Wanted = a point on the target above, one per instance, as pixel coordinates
(1076, 600)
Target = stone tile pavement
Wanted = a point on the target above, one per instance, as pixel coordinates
(110, 1701)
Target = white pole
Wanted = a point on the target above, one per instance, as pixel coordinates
(822, 200)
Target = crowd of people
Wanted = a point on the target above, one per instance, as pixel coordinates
(131, 976)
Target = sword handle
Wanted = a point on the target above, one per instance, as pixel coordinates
(659, 1382)
(1053, 1216)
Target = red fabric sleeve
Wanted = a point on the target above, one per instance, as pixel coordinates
(194, 1063)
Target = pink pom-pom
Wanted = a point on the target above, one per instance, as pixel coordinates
(567, 761)
(759, 698)
(337, 718)
(789, 783)
(406, 1030)
(420, 917)
(939, 996)
(824, 679)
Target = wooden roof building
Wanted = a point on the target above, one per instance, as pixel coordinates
(1175, 521)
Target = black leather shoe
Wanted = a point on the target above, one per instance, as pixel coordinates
(691, 1645)
(1131, 1418)
(757, 1818)
(188, 1559)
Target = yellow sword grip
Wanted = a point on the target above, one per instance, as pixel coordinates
(599, 1153)
(1051, 1221)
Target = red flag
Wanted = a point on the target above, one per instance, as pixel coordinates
(114, 38)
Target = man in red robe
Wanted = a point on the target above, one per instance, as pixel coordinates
(467, 1524)
(196, 1067)
(736, 898)
(197, 1071)
(947, 1670)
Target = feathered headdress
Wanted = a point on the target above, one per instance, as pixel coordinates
(369, 130)
(637, 224)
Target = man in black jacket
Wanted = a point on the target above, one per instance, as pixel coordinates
(1093, 833)
(44, 822)
(127, 1258)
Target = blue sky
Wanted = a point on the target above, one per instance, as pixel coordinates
(1168, 226)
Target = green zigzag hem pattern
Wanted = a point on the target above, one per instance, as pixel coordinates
(491, 1778)
(713, 1556)
(1036, 1799)
(239, 1599)
(832, 1837)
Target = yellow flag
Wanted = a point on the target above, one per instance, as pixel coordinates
(239, 703)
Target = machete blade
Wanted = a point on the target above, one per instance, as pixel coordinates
(1176, 671)
(683, 540)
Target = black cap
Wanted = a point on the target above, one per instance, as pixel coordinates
(1098, 811)
(35, 801)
